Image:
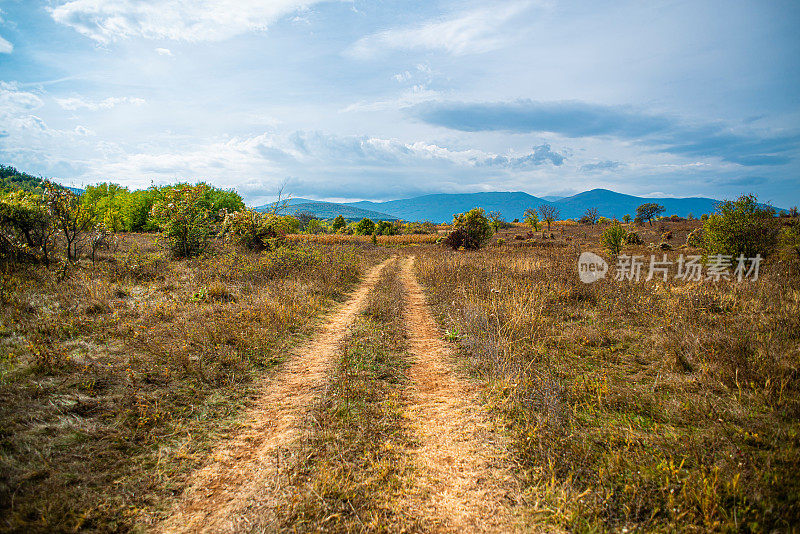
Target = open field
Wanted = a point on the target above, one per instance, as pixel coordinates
(334, 385)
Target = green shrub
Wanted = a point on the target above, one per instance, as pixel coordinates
(790, 238)
(695, 238)
(365, 227)
(183, 214)
(25, 225)
(472, 230)
(253, 230)
(532, 219)
(741, 226)
(614, 238)
(632, 238)
(338, 223)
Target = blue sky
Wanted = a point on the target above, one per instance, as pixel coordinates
(378, 100)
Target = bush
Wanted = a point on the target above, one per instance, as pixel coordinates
(614, 238)
(532, 219)
(632, 238)
(183, 214)
(365, 227)
(472, 230)
(790, 238)
(695, 238)
(253, 230)
(742, 226)
(25, 225)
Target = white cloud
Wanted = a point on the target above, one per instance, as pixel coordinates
(74, 103)
(13, 101)
(5, 46)
(473, 32)
(179, 20)
(163, 51)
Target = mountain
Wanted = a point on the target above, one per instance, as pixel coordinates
(611, 204)
(551, 198)
(329, 210)
(441, 207)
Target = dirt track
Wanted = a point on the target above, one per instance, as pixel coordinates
(464, 483)
(242, 472)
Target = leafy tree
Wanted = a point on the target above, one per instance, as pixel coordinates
(135, 208)
(649, 211)
(741, 226)
(549, 214)
(386, 228)
(365, 227)
(614, 238)
(25, 225)
(338, 223)
(255, 230)
(471, 230)
(223, 200)
(105, 200)
(590, 216)
(69, 215)
(532, 219)
(314, 226)
(183, 214)
(304, 217)
(626, 219)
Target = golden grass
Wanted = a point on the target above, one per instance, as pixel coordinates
(384, 240)
(116, 380)
(649, 405)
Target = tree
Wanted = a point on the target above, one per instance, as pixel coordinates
(471, 230)
(614, 238)
(253, 230)
(70, 217)
(314, 226)
(25, 225)
(549, 214)
(532, 219)
(626, 219)
(385, 228)
(183, 213)
(338, 223)
(649, 211)
(590, 216)
(304, 217)
(741, 226)
(365, 227)
(497, 221)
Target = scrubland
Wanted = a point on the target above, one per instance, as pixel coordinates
(622, 405)
(116, 378)
(632, 405)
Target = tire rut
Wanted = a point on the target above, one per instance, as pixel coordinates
(464, 482)
(242, 473)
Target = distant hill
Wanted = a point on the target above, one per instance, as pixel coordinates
(611, 204)
(329, 210)
(441, 207)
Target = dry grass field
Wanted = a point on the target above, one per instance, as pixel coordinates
(115, 380)
(538, 403)
(632, 405)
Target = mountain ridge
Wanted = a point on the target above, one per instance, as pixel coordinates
(440, 207)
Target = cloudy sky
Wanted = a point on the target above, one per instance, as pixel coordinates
(377, 99)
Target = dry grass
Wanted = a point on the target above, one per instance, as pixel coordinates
(649, 405)
(383, 240)
(352, 471)
(116, 380)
